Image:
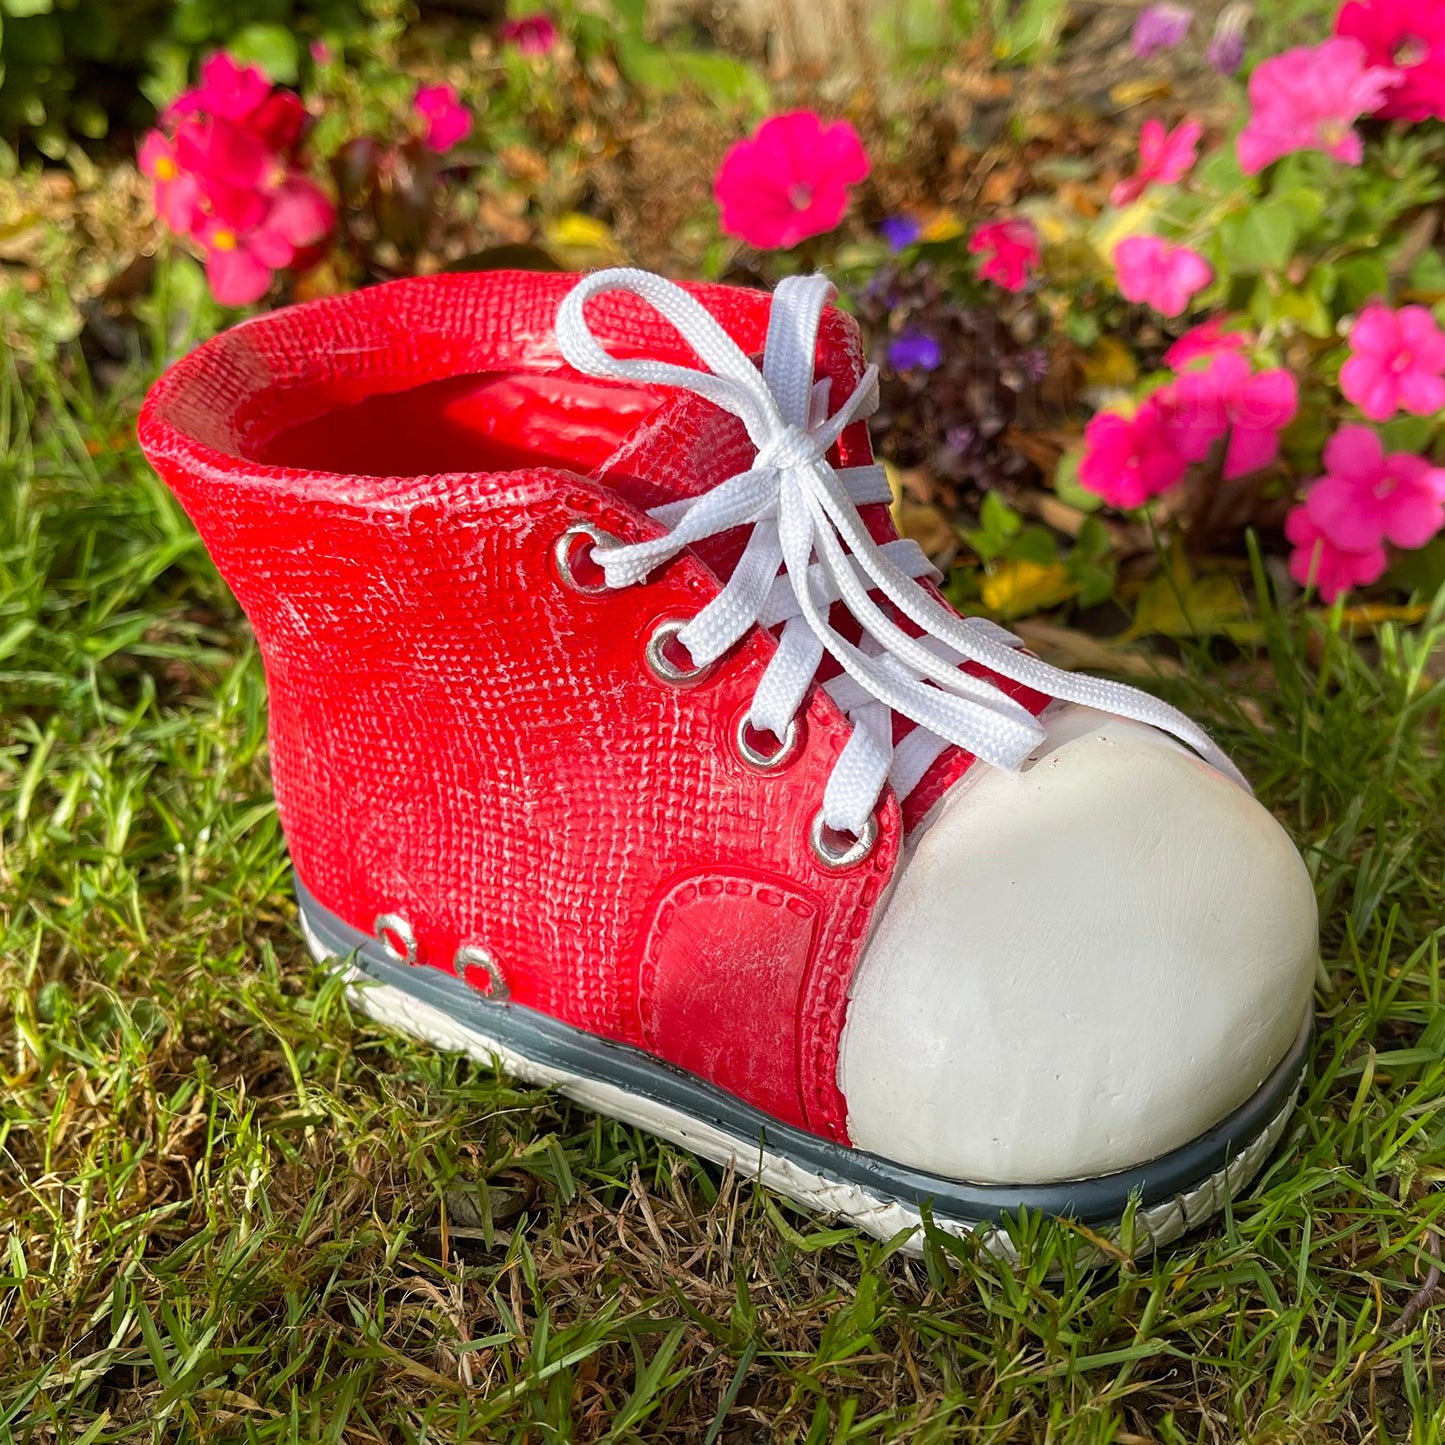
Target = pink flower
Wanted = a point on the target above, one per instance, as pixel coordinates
(1160, 275)
(1226, 396)
(531, 34)
(1396, 362)
(1204, 341)
(1010, 250)
(1408, 35)
(448, 122)
(1127, 460)
(1163, 158)
(222, 152)
(1318, 562)
(177, 192)
(1366, 498)
(301, 212)
(239, 263)
(228, 90)
(789, 180)
(1309, 99)
(1160, 27)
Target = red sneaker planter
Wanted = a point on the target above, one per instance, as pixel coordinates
(619, 738)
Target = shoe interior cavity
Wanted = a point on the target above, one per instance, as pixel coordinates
(487, 422)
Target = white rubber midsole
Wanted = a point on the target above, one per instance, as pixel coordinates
(1152, 1227)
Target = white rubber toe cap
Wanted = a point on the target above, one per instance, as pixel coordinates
(1082, 966)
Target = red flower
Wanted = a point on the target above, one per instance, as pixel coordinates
(1163, 158)
(789, 180)
(1128, 460)
(1318, 562)
(239, 264)
(1308, 99)
(226, 176)
(1010, 250)
(1227, 396)
(228, 90)
(531, 34)
(1204, 341)
(1160, 275)
(1407, 36)
(448, 121)
(1396, 362)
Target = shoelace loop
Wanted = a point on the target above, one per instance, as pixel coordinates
(804, 520)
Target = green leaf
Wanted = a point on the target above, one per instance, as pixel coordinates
(1220, 172)
(1428, 271)
(1421, 571)
(1362, 279)
(1407, 434)
(272, 47)
(1066, 483)
(1035, 544)
(1259, 238)
(22, 9)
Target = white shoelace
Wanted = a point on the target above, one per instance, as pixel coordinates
(804, 518)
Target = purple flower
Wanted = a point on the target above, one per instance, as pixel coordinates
(900, 231)
(1160, 27)
(914, 349)
(1226, 47)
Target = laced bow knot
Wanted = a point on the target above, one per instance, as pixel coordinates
(791, 447)
(809, 549)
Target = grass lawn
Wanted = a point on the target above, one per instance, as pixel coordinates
(232, 1210)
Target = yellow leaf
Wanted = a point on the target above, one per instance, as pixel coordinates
(1136, 92)
(1017, 587)
(1116, 226)
(1110, 364)
(945, 226)
(581, 239)
(1202, 607)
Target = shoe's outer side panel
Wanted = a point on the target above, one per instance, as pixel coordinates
(461, 739)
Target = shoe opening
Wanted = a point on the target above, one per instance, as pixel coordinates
(433, 376)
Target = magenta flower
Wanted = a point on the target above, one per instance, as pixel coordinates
(1165, 277)
(789, 180)
(1160, 27)
(1321, 563)
(1163, 158)
(1396, 362)
(1226, 396)
(1366, 498)
(239, 264)
(1128, 460)
(228, 91)
(1408, 35)
(1204, 341)
(448, 121)
(1010, 250)
(1309, 99)
(177, 193)
(531, 34)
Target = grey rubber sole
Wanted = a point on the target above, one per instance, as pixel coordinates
(1170, 1194)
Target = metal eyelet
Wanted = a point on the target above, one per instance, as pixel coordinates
(662, 667)
(831, 857)
(564, 548)
(474, 963)
(389, 926)
(767, 762)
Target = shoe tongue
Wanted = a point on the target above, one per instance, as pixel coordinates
(683, 449)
